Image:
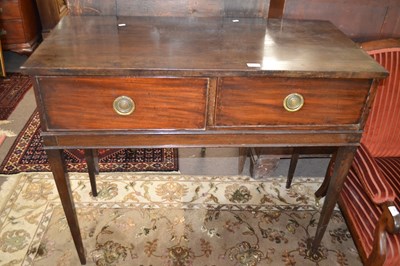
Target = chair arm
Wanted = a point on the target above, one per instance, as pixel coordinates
(392, 217)
(374, 182)
(389, 222)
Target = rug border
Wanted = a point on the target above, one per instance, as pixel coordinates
(19, 136)
(22, 95)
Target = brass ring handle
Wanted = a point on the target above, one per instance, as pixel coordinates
(293, 102)
(123, 105)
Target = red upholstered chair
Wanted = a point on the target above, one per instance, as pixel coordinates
(370, 198)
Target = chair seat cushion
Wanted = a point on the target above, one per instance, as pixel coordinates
(363, 215)
(369, 173)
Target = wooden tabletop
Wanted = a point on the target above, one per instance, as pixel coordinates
(108, 45)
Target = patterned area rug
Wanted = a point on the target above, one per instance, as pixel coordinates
(27, 155)
(12, 89)
(171, 220)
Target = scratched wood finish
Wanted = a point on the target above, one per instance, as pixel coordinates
(87, 103)
(91, 45)
(259, 101)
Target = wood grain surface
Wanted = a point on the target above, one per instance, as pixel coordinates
(79, 103)
(259, 101)
(165, 46)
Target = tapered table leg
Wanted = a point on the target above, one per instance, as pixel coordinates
(344, 159)
(95, 154)
(292, 167)
(92, 163)
(56, 161)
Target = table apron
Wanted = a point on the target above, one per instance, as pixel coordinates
(112, 140)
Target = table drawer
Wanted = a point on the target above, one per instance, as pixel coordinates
(9, 10)
(12, 32)
(84, 103)
(255, 102)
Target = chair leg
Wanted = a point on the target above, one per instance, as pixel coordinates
(92, 165)
(292, 167)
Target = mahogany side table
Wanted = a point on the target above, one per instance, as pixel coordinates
(108, 82)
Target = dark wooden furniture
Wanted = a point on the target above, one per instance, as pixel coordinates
(198, 82)
(2, 67)
(370, 199)
(51, 12)
(19, 25)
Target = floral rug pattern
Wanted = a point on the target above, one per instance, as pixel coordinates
(161, 219)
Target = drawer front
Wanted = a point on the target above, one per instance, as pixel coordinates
(255, 102)
(79, 103)
(12, 32)
(9, 10)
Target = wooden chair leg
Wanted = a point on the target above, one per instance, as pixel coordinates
(292, 167)
(92, 165)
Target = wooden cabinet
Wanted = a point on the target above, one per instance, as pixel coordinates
(19, 25)
(50, 12)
